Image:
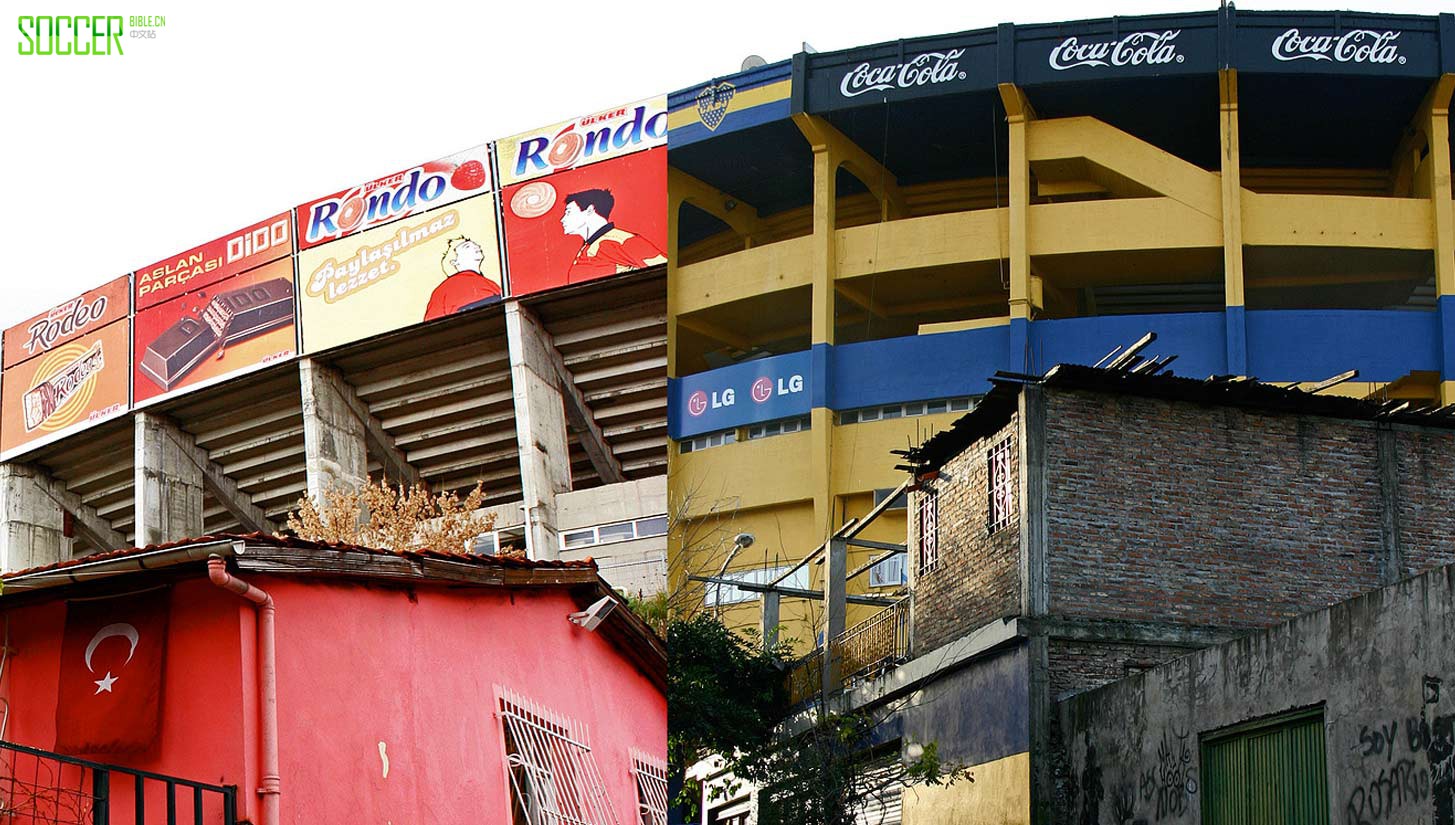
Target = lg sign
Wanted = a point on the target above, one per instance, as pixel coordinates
(763, 390)
(699, 403)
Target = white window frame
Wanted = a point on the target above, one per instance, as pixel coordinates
(891, 572)
(595, 533)
(718, 595)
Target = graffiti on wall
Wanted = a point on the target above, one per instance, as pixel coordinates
(1171, 783)
(1409, 763)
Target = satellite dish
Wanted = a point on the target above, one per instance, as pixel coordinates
(753, 61)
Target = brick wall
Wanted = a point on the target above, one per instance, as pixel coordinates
(1077, 665)
(1426, 485)
(978, 576)
(1181, 513)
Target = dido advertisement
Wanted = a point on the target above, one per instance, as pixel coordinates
(427, 186)
(225, 328)
(424, 267)
(587, 223)
(72, 384)
(264, 241)
(585, 140)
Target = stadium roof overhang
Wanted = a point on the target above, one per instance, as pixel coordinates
(1329, 90)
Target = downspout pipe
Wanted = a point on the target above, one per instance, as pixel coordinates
(270, 789)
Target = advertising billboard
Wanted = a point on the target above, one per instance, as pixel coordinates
(585, 140)
(427, 266)
(587, 223)
(410, 192)
(70, 386)
(223, 329)
(62, 324)
(267, 240)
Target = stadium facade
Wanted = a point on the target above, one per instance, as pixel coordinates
(861, 238)
(496, 316)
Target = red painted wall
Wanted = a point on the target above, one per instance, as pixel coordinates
(360, 665)
(204, 736)
(415, 669)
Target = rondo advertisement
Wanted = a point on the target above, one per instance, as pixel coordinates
(589, 139)
(424, 267)
(223, 329)
(588, 223)
(69, 386)
(410, 192)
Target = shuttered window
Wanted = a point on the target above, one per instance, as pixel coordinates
(1273, 773)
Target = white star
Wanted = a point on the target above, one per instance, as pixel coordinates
(105, 683)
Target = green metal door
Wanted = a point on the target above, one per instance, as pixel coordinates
(1269, 774)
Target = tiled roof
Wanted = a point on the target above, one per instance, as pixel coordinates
(289, 542)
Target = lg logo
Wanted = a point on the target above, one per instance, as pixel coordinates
(700, 402)
(763, 388)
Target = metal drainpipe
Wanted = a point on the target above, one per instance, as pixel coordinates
(270, 789)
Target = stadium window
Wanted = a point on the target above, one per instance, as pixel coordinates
(706, 440)
(496, 541)
(909, 409)
(782, 426)
(614, 532)
(717, 595)
(900, 502)
(889, 573)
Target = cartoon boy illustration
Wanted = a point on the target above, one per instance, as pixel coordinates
(606, 249)
(464, 287)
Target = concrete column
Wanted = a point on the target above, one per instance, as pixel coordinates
(1232, 183)
(31, 524)
(540, 428)
(770, 620)
(1390, 564)
(1034, 563)
(835, 588)
(335, 452)
(168, 483)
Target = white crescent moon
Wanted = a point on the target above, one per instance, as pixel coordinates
(120, 629)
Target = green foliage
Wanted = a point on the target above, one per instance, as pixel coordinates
(653, 610)
(726, 696)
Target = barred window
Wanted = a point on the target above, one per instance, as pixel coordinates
(1002, 486)
(553, 776)
(929, 533)
(651, 776)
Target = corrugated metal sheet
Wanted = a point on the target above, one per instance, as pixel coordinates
(1274, 775)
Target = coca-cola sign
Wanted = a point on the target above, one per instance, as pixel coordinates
(1355, 46)
(928, 69)
(1135, 49)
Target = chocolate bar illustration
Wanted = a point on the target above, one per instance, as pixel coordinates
(45, 398)
(229, 317)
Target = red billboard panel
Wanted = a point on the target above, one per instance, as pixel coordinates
(267, 240)
(586, 223)
(390, 198)
(65, 323)
(219, 331)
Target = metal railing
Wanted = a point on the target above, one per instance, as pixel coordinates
(875, 644)
(862, 651)
(38, 786)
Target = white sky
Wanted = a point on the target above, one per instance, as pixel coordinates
(231, 115)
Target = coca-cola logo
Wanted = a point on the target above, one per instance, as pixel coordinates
(1135, 49)
(63, 321)
(928, 69)
(1357, 46)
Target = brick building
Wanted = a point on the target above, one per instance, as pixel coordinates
(1088, 525)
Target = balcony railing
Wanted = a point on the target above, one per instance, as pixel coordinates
(38, 786)
(863, 651)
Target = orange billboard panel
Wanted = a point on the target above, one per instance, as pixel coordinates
(71, 386)
(62, 324)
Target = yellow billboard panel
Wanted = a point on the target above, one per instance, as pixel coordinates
(424, 267)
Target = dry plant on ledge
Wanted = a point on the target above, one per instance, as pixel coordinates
(393, 517)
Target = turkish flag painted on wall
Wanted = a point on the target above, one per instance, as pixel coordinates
(111, 674)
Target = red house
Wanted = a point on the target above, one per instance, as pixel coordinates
(271, 680)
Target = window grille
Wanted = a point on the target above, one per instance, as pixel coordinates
(553, 776)
(929, 533)
(651, 775)
(1002, 485)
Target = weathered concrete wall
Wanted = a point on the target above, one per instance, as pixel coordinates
(31, 524)
(978, 577)
(1381, 665)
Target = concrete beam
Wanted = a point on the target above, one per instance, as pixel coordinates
(770, 620)
(31, 523)
(377, 441)
(1390, 563)
(219, 484)
(540, 428)
(1035, 575)
(335, 450)
(168, 484)
(579, 417)
(835, 585)
(96, 530)
(740, 216)
(881, 183)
